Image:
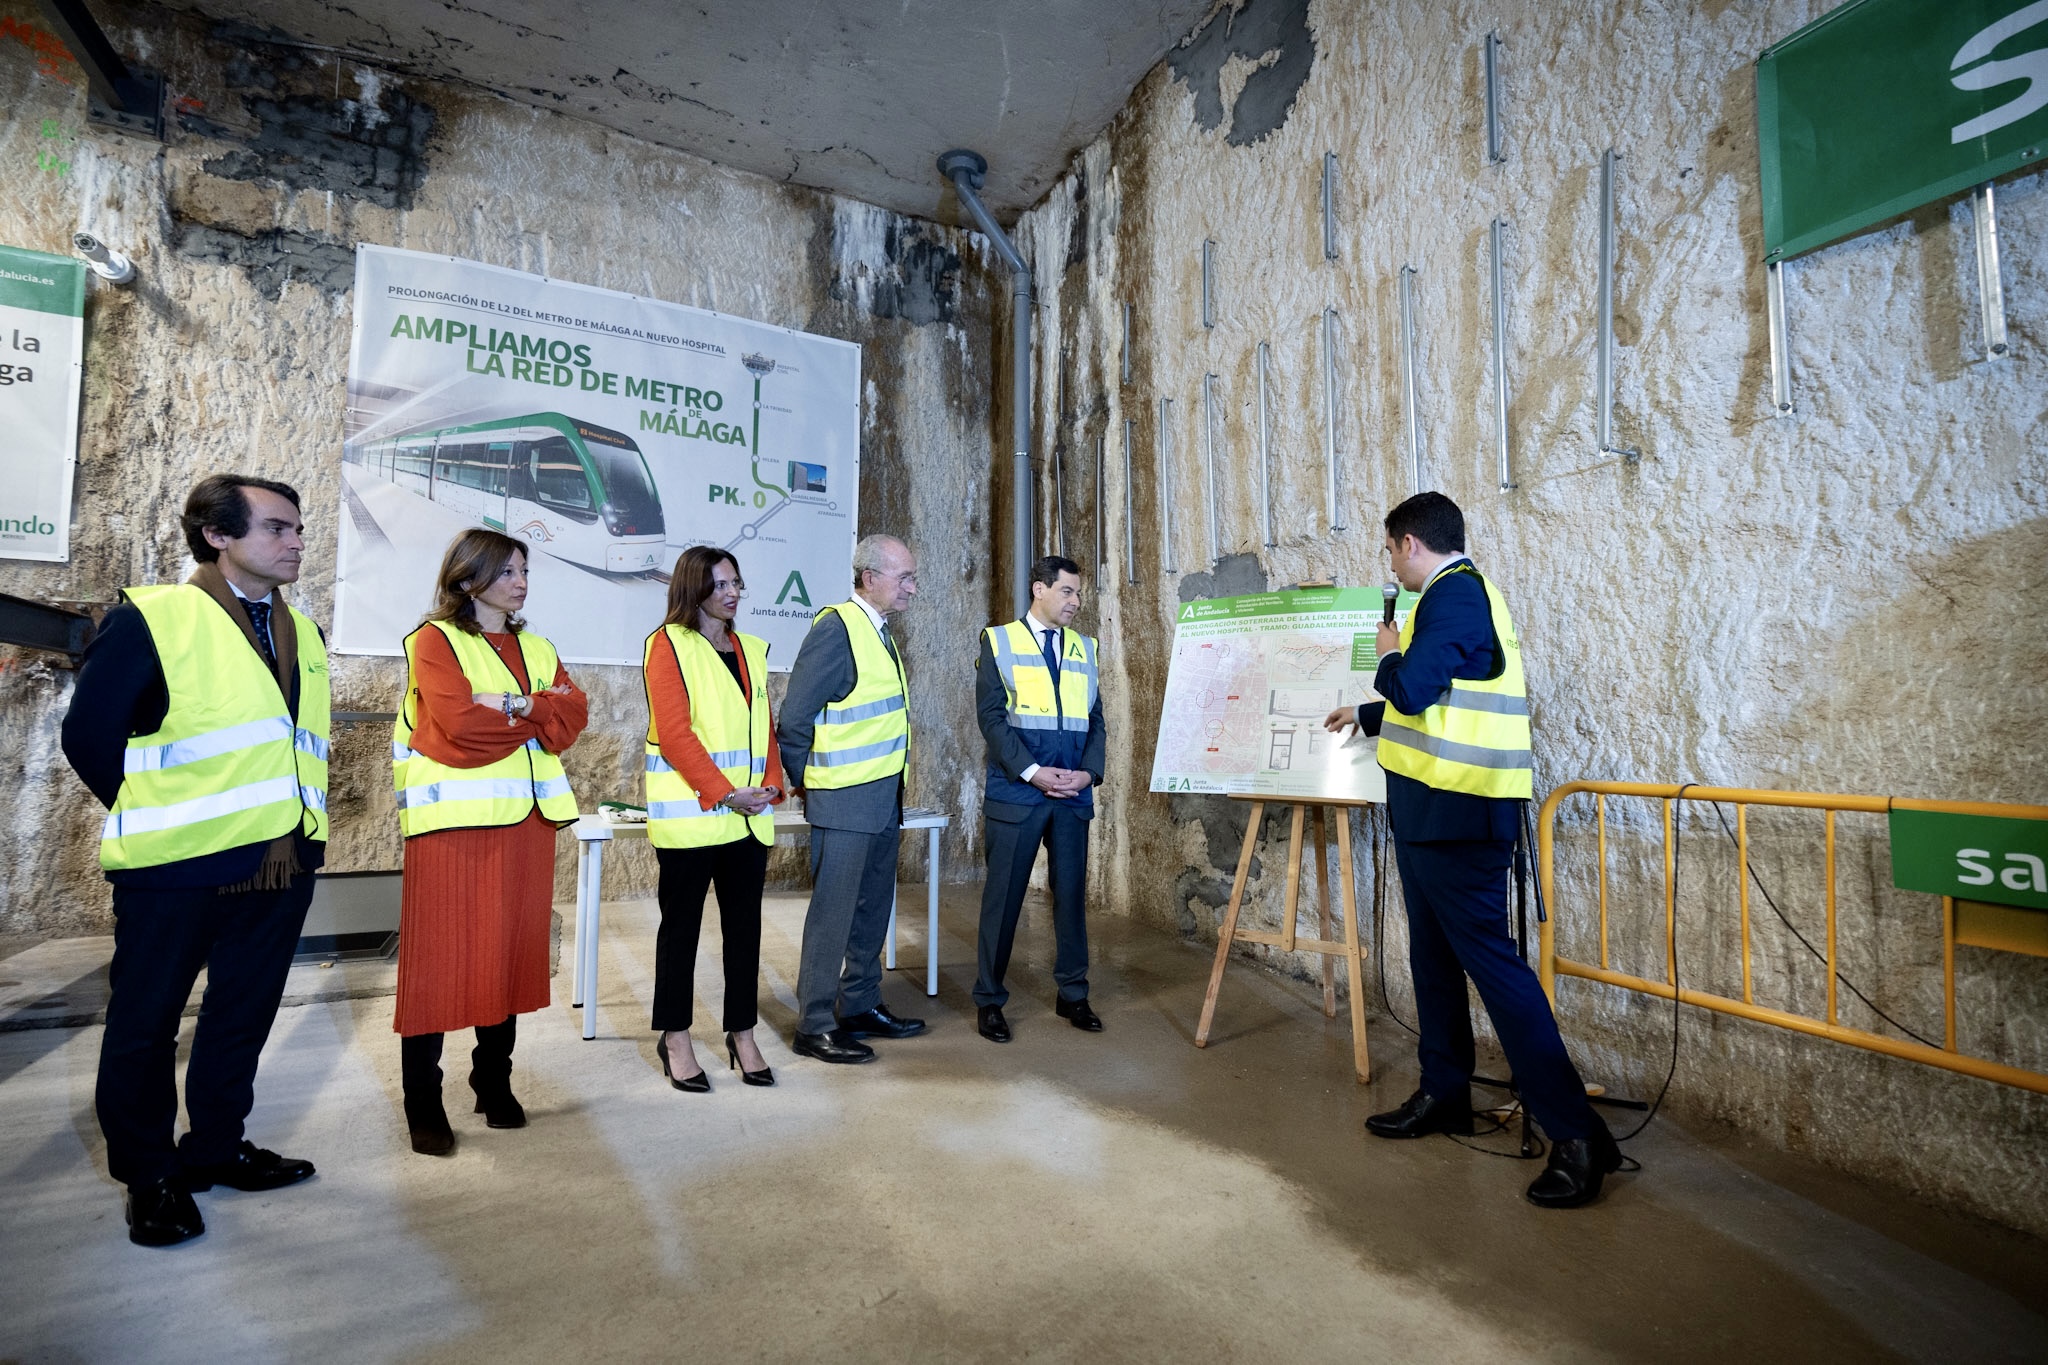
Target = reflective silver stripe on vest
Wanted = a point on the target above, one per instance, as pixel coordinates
(315, 798)
(865, 752)
(1020, 722)
(1471, 755)
(212, 744)
(730, 758)
(1498, 703)
(306, 742)
(154, 819)
(679, 810)
(399, 753)
(481, 789)
(846, 715)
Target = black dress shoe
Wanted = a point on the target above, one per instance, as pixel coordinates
(1077, 1013)
(765, 1076)
(250, 1168)
(989, 1020)
(835, 1046)
(879, 1023)
(1573, 1174)
(699, 1084)
(1422, 1115)
(161, 1214)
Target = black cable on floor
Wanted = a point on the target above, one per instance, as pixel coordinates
(1677, 833)
(1819, 956)
(1379, 904)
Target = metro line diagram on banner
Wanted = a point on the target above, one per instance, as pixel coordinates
(609, 431)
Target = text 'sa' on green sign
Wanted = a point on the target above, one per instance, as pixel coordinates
(1971, 857)
(1881, 106)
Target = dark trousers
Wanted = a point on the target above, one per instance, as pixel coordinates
(1457, 896)
(490, 1064)
(162, 938)
(738, 869)
(1012, 848)
(853, 889)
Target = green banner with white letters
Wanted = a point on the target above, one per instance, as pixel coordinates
(1972, 857)
(1881, 106)
(42, 346)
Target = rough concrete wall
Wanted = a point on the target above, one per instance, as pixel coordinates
(231, 349)
(1821, 603)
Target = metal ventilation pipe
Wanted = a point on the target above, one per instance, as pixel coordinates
(966, 170)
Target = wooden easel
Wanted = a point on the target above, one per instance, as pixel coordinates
(1286, 940)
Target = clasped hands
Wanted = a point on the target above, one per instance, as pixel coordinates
(751, 800)
(522, 705)
(1060, 783)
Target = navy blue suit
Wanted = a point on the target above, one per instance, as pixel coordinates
(1454, 851)
(170, 920)
(1018, 819)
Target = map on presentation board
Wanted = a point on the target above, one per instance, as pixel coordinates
(1249, 683)
(608, 431)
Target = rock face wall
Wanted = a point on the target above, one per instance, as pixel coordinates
(230, 351)
(1827, 602)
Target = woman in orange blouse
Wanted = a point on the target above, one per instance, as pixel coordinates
(704, 596)
(479, 880)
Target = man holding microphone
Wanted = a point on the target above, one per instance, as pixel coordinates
(1454, 741)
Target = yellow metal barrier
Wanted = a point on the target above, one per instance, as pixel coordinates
(1551, 965)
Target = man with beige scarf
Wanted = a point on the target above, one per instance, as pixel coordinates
(200, 719)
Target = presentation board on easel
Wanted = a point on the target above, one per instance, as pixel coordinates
(1251, 679)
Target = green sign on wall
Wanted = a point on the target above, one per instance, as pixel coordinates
(1881, 106)
(1971, 857)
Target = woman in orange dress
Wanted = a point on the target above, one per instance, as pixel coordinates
(481, 791)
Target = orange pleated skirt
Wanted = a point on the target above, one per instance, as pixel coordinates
(473, 926)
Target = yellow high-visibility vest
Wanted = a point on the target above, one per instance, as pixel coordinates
(866, 736)
(1032, 701)
(733, 727)
(1475, 739)
(228, 767)
(435, 796)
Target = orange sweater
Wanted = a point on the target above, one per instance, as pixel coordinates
(670, 702)
(451, 728)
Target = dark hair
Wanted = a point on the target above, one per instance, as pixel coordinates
(1047, 569)
(1432, 519)
(218, 503)
(690, 584)
(474, 559)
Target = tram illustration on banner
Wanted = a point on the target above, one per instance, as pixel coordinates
(580, 491)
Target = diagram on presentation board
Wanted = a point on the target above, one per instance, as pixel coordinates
(610, 432)
(1249, 683)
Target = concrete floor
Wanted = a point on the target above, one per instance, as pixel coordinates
(1068, 1197)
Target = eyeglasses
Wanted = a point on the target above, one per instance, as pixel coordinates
(729, 585)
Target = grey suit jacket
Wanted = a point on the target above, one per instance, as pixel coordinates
(824, 672)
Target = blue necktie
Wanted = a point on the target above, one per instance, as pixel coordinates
(259, 617)
(1052, 651)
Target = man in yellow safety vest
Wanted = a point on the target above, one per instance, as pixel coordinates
(200, 718)
(1039, 701)
(1454, 740)
(845, 737)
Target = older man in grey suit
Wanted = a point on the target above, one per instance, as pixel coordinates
(845, 735)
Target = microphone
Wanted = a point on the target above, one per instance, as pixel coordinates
(1388, 592)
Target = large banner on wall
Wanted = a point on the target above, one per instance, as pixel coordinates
(609, 431)
(42, 342)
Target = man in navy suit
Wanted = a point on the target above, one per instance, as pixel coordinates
(1454, 740)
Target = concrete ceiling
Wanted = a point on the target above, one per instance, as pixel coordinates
(853, 96)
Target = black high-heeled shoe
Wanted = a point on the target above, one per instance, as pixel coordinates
(765, 1076)
(699, 1084)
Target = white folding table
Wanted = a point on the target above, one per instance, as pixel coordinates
(593, 832)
